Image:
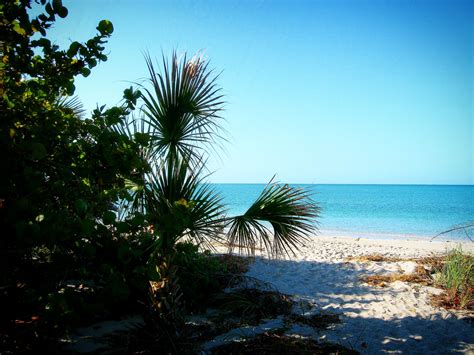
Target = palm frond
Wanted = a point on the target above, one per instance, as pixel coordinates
(138, 194)
(72, 104)
(280, 219)
(180, 204)
(182, 107)
(206, 216)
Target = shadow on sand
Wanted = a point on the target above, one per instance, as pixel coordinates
(396, 319)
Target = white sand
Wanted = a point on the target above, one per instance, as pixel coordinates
(398, 318)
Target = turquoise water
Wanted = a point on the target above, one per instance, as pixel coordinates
(377, 211)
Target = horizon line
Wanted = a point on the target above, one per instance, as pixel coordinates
(315, 183)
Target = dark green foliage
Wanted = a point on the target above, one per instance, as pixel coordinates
(62, 175)
(197, 275)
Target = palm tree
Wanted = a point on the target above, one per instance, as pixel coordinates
(181, 121)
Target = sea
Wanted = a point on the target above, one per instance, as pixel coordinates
(377, 211)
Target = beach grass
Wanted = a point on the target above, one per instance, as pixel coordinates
(457, 278)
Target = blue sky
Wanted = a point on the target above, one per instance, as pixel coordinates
(317, 91)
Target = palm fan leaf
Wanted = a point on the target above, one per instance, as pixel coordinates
(72, 104)
(281, 219)
(136, 201)
(180, 204)
(182, 108)
(207, 216)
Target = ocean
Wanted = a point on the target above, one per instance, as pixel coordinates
(376, 211)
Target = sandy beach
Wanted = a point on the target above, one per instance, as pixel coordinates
(398, 318)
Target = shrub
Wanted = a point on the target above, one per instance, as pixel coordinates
(62, 174)
(197, 275)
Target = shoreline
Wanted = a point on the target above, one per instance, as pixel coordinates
(337, 249)
(390, 236)
(317, 247)
(417, 246)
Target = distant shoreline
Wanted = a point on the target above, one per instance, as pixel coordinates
(334, 184)
(418, 247)
(389, 236)
(413, 212)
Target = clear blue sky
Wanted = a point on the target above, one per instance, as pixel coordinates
(318, 91)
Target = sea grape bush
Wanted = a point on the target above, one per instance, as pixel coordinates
(62, 171)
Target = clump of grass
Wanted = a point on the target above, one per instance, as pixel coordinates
(457, 278)
(271, 343)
